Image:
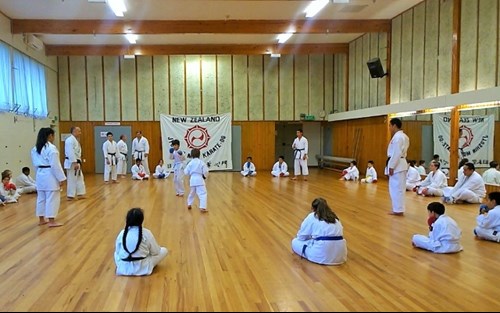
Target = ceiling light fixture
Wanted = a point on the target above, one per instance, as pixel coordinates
(314, 7)
(275, 55)
(132, 38)
(282, 38)
(118, 7)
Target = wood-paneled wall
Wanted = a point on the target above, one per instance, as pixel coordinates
(257, 140)
(364, 91)
(373, 142)
(252, 88)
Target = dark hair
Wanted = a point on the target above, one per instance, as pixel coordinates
(436, 163)
(300, 130)
(43, 138)
(138, 132)
(72, 129)
(323, 212)
(195, 153)
(249, 157)
(396, 121)
(436, 207)
(412, 163)
(470, 166)
(281, 157)
(421, 162)
(494, 196)
(6, 174)
(463, 162)
(138, 160)
(435, 156)
(135, 217)
(109, 133)
(354, 162)
(176, 142)
(493, 164)
(371, 162)
(26, 170)
(122, 136)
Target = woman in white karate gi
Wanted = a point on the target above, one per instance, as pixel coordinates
(49, 176)
(136, 249)
(320, 237)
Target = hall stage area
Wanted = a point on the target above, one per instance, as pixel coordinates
(237, 257)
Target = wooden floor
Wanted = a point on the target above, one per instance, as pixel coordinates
(237, 257)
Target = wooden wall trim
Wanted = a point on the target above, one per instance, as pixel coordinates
(455, 47)
(149, 27)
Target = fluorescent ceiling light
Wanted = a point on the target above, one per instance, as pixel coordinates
(118, 7)
(275, 55)
(342, 1)
(282, 38)
(314, 7)
(403, 114)
(129, 56)
(436, 110)
(476, 106)
(132, 38)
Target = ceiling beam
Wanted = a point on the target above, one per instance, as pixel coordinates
(54, 50)
(80, 27)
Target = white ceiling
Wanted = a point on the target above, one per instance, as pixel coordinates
(200, 10)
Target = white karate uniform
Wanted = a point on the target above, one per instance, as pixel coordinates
(443, 238)
(136, 170)
(435, 182)
(371, 175)
(470, 189)
(121, 167)
(491, 176)
(197, 169)
(25, 183)
(11, 196)
(73, 152)
(148, 249)
(178, 171)
(139, 150)
(352, 173)
(420, 169)
(412, 178)
(396, 153)
(488, 225)
(329, 252)
(48, 180)
(159, 170)
(248, 169)
(110, 154)
(280, 168)
(301, 148)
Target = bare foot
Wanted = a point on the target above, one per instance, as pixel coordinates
(203, 210)
(396, 213)
(294, 178)
(54, 224)
(305, 179)
(72, 198)
(106, 182)
(115, 182)
(180, 195)
(189, 207)
(40, 223)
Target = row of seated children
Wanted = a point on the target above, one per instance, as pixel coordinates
(352, 173)
(444, 232)
(280, 168)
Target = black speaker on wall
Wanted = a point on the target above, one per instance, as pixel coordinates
(375, 67)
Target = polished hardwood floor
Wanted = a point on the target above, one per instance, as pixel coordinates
(237, 257)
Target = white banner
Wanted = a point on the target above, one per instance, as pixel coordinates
(211, 134)
(475, 141)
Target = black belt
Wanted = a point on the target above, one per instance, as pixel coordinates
(295, 152)
(388, 158)
(132, 259)
(44, 166)
(112, 153)
(123, 153)
(77, 161)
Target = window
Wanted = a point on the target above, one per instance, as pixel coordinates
(22, 86)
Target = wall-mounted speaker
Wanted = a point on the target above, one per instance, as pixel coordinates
(375, 67)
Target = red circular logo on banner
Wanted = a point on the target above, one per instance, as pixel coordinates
(465, 137)
(197, 137)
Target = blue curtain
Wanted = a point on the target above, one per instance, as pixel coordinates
(5, 78)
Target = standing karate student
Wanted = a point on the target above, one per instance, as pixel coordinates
(73, 165)
(178, 156)
(110, 158)
(300, 148)
(49, 177)
(121, 167)
(198, 171)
